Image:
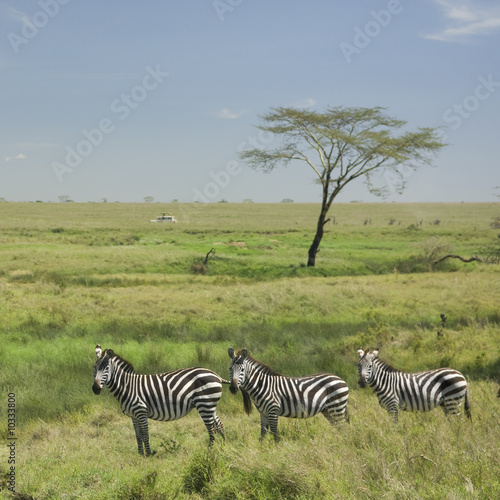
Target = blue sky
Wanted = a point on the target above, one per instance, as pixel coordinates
(123, 100)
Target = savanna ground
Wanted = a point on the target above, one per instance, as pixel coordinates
(74, 275)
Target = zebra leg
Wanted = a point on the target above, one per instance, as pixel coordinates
(210, 421)
(334, 417)
(264, 426)
(450, 407)
(144, 430)
(467, 405)
(138, 435)
(273, 423)
(393, 412)
(219, 427)
(346, 416)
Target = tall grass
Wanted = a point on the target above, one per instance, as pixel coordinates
(92, 455)
(72, 276)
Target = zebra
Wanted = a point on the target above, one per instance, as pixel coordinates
(423, 391)
(165, 396)
(275, 395)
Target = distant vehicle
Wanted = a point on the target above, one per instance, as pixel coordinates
(164, 218)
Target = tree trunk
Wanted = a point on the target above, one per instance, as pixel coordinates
(314, 248)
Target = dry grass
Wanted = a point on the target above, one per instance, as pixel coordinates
(92, 455)
(74, 275)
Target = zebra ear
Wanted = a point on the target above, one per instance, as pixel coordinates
(361, 353)
(110, 353)
(375, 353)
(243, 354)
(230, 351)
(98, 351)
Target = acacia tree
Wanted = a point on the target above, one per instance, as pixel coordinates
(341, 145)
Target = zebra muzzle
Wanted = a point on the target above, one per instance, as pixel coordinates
(96, 388)
(234, 386)
(362, 382)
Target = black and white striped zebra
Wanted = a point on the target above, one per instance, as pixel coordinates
(422, 391)
(165, 396)
(277, 396)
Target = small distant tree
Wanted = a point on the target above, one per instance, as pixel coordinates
(148, 199)
(341, 145)
(63, 198)
(286, 200)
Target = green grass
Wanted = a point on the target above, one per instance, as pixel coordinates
(74, 275)
(250, 240)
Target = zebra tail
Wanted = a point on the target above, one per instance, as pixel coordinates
(247, 402)
(224, 381)
(467, 405)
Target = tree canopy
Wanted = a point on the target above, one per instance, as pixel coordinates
(341, 145)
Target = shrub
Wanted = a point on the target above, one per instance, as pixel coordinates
(200, 472)
(142, 489)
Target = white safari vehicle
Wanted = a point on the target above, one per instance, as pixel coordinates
(164, 218)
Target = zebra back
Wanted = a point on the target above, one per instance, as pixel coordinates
(417, 391)
(295, 396)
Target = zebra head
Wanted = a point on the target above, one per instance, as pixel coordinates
(365, 366)
(237, 368)
(102, 368)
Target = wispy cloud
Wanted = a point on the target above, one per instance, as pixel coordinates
(228, 114)
(305, 103)
(467, 18)
(31, 150)
(20, 156)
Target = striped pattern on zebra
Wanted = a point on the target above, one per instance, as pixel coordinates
(276, 396)
(423, 391)
(165, 396)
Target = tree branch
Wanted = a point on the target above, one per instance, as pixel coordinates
(209, 254)
(463, 259)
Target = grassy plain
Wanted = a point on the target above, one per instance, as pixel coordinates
(73, 275)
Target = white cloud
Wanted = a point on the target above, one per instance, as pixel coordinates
(467, 18)
(305, 103)
(20, 156)
(228, 114)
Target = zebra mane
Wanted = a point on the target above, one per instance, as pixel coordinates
(265, 368)
(125, 365)
(384, 364)
(387, 367)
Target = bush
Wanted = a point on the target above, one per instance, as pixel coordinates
(200, 473)
(142, 489)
